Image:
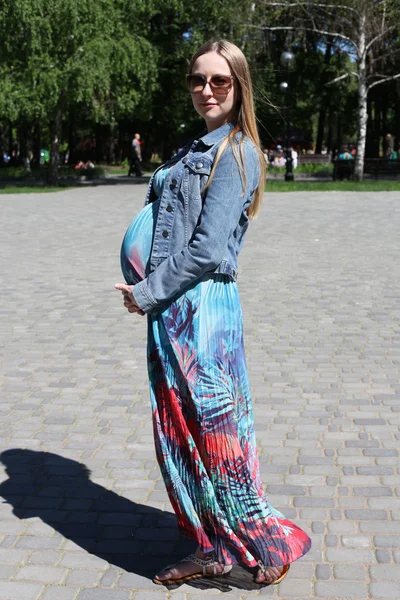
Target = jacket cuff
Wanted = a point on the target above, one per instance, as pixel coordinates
(144, 298)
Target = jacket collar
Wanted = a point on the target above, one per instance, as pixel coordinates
(217, 135)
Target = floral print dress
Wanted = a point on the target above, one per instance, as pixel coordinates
(202, 416)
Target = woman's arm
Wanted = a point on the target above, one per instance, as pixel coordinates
(219, 217)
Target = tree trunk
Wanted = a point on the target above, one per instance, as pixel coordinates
(10, 138)
(247, 29)
(362, 101)
(36, 141)
(397, 117)
(321, 128)
(22, 134)
(99, 150)
(325, 102)
(113, 145)
(72, 154)
(339, 136)
(378, 123)
(329, 142)
(370, 141)
(55, 147)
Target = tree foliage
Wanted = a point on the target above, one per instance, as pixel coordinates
(68, 68)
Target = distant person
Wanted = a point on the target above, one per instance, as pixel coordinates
(13, 162)
(279, 160)
(295, 157)
(388, 145)
(345, 154)
(136, 157)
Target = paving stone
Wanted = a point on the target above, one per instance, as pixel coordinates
(372, 491)
(140, 595)
(58, 592)
(365, 515)
(356, 541)
(338, 589)
(83, 578)
(323, 572)
(382, 556)
(295, 588)
(12, 557)
(135, 581)
(41, 573)
(109, 578)
(83, 561)
(100, 594)
(383, 589)
(349, 555)
(6, 571)
(342, 527)
(14, 590)
(317, 527)
(387, 541)
(385, 572)
(314, 502)
(354, 572)
(33, 542)
(331, 540)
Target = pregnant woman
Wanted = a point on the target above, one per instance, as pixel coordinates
(179, 259)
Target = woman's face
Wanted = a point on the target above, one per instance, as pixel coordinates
(216, 108)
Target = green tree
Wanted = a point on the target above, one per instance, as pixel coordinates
(58, 54)
(367, 30)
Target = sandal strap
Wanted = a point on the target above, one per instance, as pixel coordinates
(204, 563)
(262, 566)
(198, 561)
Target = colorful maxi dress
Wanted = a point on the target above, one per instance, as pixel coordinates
(202, 416)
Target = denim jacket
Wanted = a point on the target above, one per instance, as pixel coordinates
(197, 234)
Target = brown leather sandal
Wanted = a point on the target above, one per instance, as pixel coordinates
(204, 563)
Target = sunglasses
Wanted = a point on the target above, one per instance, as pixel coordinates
(220, 84)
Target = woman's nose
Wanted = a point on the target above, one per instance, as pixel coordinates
(207, 91)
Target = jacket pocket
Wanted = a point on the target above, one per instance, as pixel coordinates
(200, 165)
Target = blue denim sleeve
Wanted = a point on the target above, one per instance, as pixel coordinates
(222, 209)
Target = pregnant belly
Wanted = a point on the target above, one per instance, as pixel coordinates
(136, 245)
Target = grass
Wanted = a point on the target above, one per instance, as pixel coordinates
(322, 170)
(115, 169)
(272, 185)
(19, 173)
(332, 186)
(37, 189)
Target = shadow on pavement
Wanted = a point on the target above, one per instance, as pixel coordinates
(140, 539)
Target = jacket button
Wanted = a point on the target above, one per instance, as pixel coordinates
(184, 160)
(169, 208)
(165, 233)
(199, 165)
(174, 182)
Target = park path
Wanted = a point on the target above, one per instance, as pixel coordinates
(84, 514)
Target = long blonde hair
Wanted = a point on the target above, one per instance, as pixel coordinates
(245, 119)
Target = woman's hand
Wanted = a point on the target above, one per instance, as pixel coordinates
(129, 300)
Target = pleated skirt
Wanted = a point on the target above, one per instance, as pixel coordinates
(204, 426)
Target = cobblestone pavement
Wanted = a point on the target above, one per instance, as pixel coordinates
(84, 514)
